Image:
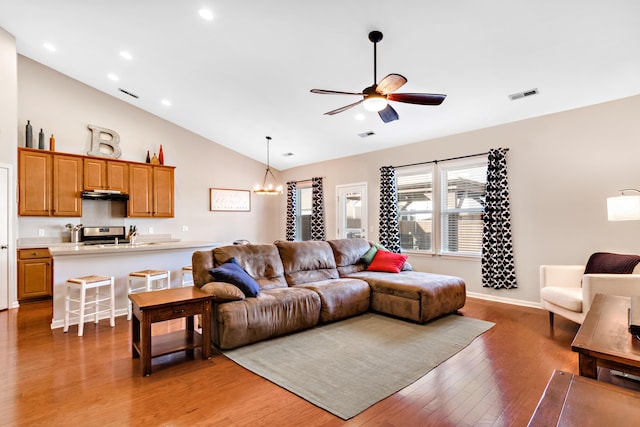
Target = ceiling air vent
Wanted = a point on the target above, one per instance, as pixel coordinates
(128, 93)
(366, 134)
(524, 94)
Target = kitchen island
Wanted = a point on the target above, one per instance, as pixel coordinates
(76, 260)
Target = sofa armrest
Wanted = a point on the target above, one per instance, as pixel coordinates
(568, 276)
(223, 292)
(613, 284)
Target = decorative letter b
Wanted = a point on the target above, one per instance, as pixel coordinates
(97, 142)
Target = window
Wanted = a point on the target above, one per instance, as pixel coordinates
(447, 220)
(303, 213)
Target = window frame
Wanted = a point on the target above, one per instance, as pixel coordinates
(439, 194)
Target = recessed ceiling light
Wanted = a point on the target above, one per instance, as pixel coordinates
(126, 55)
(113, 77)
(206, 14)
(166, 102)
(49, 46)
(360, 116)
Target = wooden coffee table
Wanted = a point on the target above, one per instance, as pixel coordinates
(168, 304)
(604, 341)
(570, 400)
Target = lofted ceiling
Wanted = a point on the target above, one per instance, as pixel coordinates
(247, 73)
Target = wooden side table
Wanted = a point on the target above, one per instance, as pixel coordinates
(168, 304)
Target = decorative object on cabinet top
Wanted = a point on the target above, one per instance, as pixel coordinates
(99, 143)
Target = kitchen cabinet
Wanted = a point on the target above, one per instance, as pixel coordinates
(67, 186)
(49, 184)
(100, 174)
(35, 274)
(34, 182)
(151, 190)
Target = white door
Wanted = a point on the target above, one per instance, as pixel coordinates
(4, 237)
(352, 211)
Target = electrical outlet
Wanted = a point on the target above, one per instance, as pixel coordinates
(185, 228)
(150, 230)
(40, 232)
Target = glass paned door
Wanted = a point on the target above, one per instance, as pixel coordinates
(352, 211)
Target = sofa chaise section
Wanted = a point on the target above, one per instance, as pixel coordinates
(410, 295)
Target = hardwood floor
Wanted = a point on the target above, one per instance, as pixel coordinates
(51, 378)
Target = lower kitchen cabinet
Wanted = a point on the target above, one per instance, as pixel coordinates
(35, 274)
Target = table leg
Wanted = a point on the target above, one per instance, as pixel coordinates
(206, 333)
(145, 344)
(135, 337)
(190, 330)
(587, 366)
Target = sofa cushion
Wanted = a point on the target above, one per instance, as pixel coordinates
(305, 262)
(261, 261)
(341, 298)
(387, 261)
(272, 313)
(223, 292)
(233, 273)
(568, 298)
(367, 258)
(347, 253)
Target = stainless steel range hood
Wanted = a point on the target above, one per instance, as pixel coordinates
(104, 195)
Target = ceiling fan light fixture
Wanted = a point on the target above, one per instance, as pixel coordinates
(271, 188)
(375, 103)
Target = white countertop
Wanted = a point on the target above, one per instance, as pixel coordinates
(71, 249)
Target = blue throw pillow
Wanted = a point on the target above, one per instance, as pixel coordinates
(232, 272)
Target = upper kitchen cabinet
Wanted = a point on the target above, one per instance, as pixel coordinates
(163, 191)
(49, 184)
(150, 191)
(34, 181)
(67, 185)
(106, 175)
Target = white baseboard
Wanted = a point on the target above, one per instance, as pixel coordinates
(505, 300)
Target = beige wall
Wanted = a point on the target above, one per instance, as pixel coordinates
(562, 167)
(64, 107)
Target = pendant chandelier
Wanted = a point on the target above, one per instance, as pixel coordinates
(272, 188)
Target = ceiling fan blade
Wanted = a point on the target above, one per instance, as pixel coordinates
(333, 92)
(341, 109)
(417, 98)
(388, 114)
(391, 83)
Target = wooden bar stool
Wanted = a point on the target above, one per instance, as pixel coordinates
(96, 303)
(187, 271)
(145, 280)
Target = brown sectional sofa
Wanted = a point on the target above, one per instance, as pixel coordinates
(306, 283)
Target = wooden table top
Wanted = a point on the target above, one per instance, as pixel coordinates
(571, 400)
(605, 331)
(156, 299)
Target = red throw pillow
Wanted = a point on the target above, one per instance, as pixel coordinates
(387, 261)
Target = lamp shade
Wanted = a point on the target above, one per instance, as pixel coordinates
(375, 103)
(623, 208)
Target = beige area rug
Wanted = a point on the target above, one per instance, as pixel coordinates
(347, 366)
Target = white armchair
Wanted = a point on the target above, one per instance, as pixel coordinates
(565, 290)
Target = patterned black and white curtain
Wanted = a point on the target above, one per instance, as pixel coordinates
(317, 210)
(389, 229)
(498, 269)
(291, 210)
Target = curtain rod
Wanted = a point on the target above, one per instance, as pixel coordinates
(444, 160)
(306, 180)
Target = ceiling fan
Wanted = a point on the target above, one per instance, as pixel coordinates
(376, 96)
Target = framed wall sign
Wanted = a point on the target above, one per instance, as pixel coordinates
(226, 199)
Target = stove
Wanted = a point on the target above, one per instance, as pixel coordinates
(103, 235)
